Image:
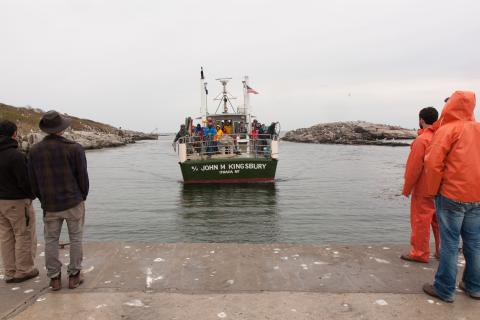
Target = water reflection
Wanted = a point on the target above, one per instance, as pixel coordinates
(228, 213)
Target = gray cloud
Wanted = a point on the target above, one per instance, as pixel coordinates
(135, 63)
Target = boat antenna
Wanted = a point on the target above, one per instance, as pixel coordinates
(224, 96)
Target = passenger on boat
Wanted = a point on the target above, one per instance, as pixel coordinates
(243, 130)
(219, 134)
(198, 138)
(217, 138)
(272, 130)
(228, 127)
(181, 133)
(210, 133)
(261, 138)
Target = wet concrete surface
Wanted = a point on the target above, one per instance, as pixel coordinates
(237, 281)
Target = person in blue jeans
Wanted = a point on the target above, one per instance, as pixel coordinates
(452, 168)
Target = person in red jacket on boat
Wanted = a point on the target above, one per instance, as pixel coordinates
(422, 208)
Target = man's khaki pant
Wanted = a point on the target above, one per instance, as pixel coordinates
(18, 237)
(53, 222)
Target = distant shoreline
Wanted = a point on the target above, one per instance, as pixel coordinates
(90, 134)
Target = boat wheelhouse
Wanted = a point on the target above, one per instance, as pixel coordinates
(235, 153)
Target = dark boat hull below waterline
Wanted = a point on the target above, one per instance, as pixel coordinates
(245, 170)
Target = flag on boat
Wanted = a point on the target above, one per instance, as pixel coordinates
(251, 90)
(205, 86)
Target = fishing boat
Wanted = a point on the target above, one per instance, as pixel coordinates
(242, 154)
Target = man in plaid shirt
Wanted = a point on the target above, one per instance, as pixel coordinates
(59, 178)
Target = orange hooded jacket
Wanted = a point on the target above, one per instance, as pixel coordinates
(414, 174)
(452, 162)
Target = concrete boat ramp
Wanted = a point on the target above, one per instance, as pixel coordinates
(237, 281)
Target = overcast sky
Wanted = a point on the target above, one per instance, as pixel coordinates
(135, 64)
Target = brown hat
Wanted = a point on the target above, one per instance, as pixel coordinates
(53, 122)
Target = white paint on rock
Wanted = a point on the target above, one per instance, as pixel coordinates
(431, 301)
(318, 263)
(28, 291)
(41, 299)
(382, 260)
(103, 305)
(134, 303)
(222, 315)
(159, 260)
(230, 282)
(149, 279)
(42, 254)
(15, 288)
(381, 302)
(88, 270)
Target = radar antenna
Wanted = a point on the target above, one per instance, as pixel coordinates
(224, 96)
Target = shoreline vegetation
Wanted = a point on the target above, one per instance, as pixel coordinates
(90, 134)
(352, 133)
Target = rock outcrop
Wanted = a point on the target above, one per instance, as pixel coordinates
(357, 132)
(88, 133)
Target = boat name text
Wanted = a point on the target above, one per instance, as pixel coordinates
(227, 167)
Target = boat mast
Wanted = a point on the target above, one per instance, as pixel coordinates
(203, 94)
(246, 104)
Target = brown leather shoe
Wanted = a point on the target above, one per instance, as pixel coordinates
(56, 283)
(32, 274)
(408, 257)
(430, 290)
(461, 286)
(75, 281)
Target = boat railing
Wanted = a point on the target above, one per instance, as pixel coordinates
(227, 146)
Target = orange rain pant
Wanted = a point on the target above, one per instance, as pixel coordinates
(422, 215)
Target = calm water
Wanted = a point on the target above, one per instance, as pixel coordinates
(323, 194)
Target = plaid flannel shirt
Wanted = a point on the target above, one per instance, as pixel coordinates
(58, 173)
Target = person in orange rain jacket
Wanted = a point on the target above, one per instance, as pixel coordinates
(422, 208)
(452, 174)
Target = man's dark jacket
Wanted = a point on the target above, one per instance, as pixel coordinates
(14, 184)
(58, 173)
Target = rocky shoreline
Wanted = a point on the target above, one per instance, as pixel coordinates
(352, 133)
(89, 140)
(90, 134)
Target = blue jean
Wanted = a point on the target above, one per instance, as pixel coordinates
(455, 219)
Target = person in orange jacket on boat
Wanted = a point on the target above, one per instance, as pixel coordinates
(422, 208)
(452, 167)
